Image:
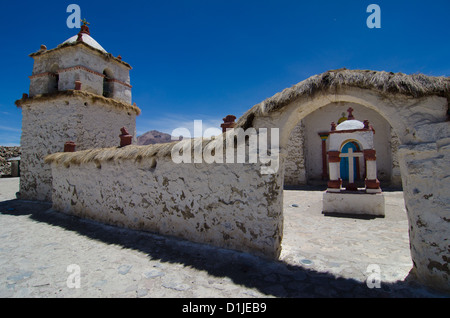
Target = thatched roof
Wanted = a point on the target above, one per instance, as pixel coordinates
(131, 152)
(415, 85)
(83, 94)
(110, 154)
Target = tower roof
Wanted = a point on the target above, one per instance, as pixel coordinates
(84, 38)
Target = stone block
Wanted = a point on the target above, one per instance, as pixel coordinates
(354, 203)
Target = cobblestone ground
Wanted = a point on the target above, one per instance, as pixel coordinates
(43, 251)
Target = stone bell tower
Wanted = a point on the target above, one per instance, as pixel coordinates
(79, 94)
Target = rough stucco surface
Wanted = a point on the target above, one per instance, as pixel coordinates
(227, 205)
(43, 132)
(294, 171)
(426, 179)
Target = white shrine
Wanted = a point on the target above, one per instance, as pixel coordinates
(351, 151)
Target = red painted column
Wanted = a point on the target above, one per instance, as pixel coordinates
(125, 137)
(371, 173)
(324, 137)
(69, 146)
(228, 122)
(333, 159)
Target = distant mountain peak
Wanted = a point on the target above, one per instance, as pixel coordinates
(153, 137)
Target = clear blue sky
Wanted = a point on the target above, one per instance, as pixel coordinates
(202, 60)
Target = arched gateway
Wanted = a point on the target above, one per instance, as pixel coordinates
(417, 108)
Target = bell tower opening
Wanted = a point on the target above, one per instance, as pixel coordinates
(108, 89)
(53, 82)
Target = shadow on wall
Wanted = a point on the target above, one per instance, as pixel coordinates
(273, 278)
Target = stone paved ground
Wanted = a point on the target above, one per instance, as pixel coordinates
(41, 251)
(346, 246)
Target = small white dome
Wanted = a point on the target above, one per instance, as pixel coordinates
(88, 40)
(350, 124)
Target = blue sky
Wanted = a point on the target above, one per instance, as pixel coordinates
(202, 60)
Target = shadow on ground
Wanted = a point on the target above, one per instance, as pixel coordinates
(272, 278)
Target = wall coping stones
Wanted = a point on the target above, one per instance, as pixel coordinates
(78, 93)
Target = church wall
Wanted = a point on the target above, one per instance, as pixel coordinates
(227, 205)
(80, 55)
(426, 185)
(90, 82)
(46, 62)
(79, 63)
(40, 85)
(89, 125)
(295, 173)
(122, 92)
(396, 177)
(74, 56)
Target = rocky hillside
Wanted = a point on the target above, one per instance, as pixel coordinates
(5, 154)
(153, 137)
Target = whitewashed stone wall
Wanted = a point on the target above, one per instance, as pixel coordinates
(426, 180)
(396, 176)
(47, 124)
(227, 205)
(294, 170)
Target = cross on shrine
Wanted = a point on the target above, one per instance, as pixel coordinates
(350, 113)
(350, 155)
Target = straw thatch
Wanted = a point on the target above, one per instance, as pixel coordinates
(83, 94)
(131, 152)
(109, 154)
(415, 85)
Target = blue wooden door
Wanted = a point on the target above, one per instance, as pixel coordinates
(344, 161)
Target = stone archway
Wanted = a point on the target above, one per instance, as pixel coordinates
(416, 107)
(306, 161)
